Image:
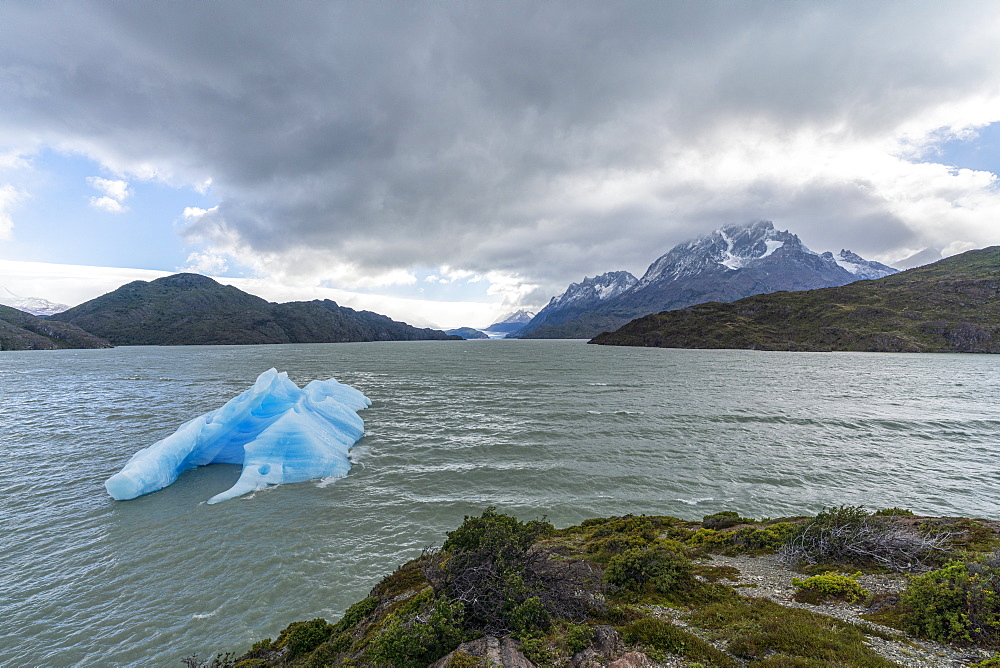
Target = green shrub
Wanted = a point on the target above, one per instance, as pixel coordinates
(462, 659)
(578, 637)
(419, 633)
(506, 582)
(724, 520)
(756, 629)
(617, 543)
(893, 512)
(828, 586)
(493, 530)
(650, 570)
(528, 615)
(960, 602)
(355, 614)
(659, 638)
(745, 540)
(992, 662)
(537, 650)
(300, 638)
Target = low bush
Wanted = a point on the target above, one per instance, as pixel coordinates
(830, 586)
(462, 659)
(757, 629)
(355, 614)
(505, 581)
(957, 603)
(300, 638)
(660, 638)
(893, 512)
(419, 633)
(650, 570)
(724, 520)
(849, 535)
(744, 540)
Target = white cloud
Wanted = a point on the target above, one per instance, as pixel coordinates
(116, 189)
(9, 196)
(194, 212)
(115, 193)
(108, 204)
(74, 284)
(206, 263)
(450, 275)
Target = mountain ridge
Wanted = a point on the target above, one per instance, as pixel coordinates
(191, 309)
(23, 331)
(727, 264)
(952, 305)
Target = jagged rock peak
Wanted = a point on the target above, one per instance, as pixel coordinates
(860, 267)
(593, 290)
(726, 249)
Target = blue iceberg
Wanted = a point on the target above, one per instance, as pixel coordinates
(278, 432)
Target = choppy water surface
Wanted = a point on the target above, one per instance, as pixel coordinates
(535, 428)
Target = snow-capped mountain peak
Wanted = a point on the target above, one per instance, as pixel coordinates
(727, 249)
(32, 305)
(593, 290)
(516, 318)
(860, 267)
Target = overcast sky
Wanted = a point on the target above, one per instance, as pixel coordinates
(451, 161)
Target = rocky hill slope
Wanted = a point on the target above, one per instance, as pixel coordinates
(190, 309)
(23, 331)
(578, 300)
(949, 306)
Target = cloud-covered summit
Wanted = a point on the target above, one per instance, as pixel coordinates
(538, 141)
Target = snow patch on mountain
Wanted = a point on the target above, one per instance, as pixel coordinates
(33, 305)
(592, 290)
(860, 267)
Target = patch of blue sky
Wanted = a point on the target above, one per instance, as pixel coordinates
(56, 219)
(979, 151)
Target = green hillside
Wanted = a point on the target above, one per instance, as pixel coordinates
(949, 306)
(189, 309)
(23, 331)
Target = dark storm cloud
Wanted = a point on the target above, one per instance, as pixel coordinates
(406, 134)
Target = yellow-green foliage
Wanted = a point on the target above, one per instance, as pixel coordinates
(758, 628)
(355, 614)
(462, 659)
(608, 536)
(747, 539)
(656, 570)
(960, 602)
(827, 586)
(300, 638)
(992, 662)
(660, 638)
(406, 577)
(419, 633)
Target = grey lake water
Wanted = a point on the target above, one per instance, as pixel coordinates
(536, 428)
